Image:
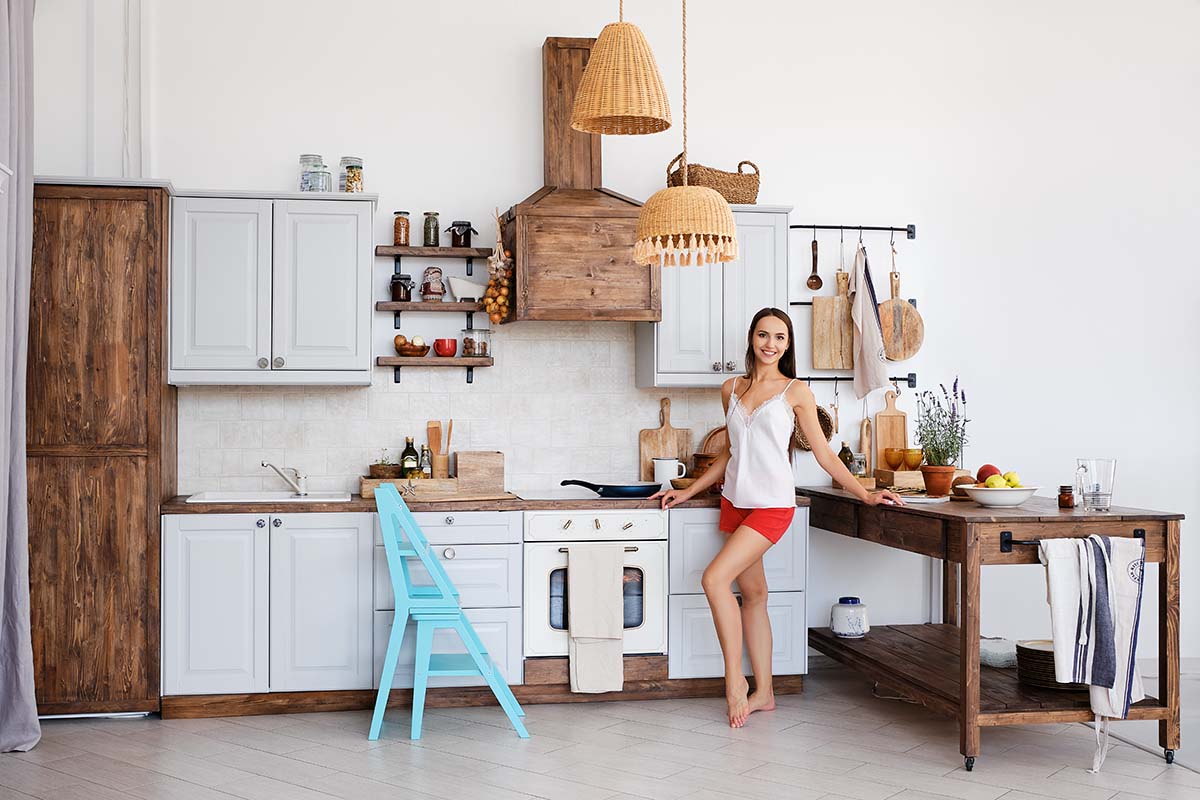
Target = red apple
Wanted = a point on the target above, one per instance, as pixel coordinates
(985, 472)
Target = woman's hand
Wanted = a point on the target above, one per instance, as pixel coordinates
(670, 497)
(884, 498)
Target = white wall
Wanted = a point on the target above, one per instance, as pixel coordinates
(1046, 153)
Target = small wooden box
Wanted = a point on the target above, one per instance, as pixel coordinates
(905, 478)
(480, 470)
(424, 487)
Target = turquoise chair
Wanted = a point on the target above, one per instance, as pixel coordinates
(431, 607)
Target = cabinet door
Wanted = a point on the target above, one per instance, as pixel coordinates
(486, 575)
(214, 603)
(320, 601)
(322, 285)
(694, 652)
(756, 280)
(696, 540)
(220, 283)
(689, 335)
(499, 629)
(466, 527)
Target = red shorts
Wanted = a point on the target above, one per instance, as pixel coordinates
(772, 523)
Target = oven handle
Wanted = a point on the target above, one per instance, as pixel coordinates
(627, 549)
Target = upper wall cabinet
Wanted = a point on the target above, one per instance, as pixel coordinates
(271, 290)
(706, 310)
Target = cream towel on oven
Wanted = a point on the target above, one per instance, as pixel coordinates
(596, 617)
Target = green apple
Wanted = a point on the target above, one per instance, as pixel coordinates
(996, 482)
(1012, 479)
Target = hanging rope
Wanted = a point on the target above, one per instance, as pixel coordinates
(685, 163)
(621, 11)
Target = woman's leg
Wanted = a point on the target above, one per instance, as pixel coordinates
(756, 630)
(743, 547)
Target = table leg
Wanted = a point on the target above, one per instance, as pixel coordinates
(949, 592)
(1168, 642)
(968, 710)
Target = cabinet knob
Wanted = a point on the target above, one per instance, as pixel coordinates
(277, 522)
(278, 362)
(262, 523)
(449, 520)
(716, 366)
(730, 366)
(263, 363)
(448, 553)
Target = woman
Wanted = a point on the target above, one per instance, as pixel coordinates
(758, 500)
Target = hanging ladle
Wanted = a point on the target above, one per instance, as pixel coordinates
(814, 281)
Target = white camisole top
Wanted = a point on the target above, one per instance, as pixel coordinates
(759, 473)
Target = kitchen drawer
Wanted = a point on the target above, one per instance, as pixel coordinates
(486, 575)
(499, 629)
(599, 525)
(466, 527)
(694, 652)
(695, 540)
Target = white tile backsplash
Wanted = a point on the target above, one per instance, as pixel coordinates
(560, 403)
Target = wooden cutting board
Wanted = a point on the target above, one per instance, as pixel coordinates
(663, 442)
(833, 329)
(891, 427)
(903, 328)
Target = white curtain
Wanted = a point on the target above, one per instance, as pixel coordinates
(19, 729)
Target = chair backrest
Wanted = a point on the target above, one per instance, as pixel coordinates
(400, 528)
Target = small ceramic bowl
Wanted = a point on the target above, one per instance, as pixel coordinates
(913, 456)
(1000, 498)
(445, 347)
(893, 457)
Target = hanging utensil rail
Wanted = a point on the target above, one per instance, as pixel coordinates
(909, 380)
(909, 230)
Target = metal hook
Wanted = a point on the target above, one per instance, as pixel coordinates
(893, 241)
(896, 387)
(860, 235)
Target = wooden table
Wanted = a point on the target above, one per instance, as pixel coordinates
(938, 665)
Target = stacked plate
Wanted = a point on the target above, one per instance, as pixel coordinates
(1035, 666)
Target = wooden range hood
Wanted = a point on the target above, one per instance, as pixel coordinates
(573, 239)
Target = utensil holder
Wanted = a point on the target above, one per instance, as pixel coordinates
(441, 466)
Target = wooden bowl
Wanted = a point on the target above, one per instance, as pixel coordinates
(913, 456)
(682, 483)
(702, 461)
(893, 457)
(411, 351)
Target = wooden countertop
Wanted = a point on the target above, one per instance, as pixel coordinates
(1036, 509)
(177, 505)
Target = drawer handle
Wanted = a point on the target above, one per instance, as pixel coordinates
(597, 522)
(627, 526)
(449, 520)
(277, 522)
(566, 524)
(278, 362)
(627, 549)
(448, 553)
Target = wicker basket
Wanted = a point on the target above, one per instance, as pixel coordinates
(826, 428)
(735, 187)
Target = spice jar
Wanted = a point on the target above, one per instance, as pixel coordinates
(431, 229)
(402, 286)
(477, 342)
(460, 233)
(1066, 496)
(309, 163)
(400, 229)
(350, 178)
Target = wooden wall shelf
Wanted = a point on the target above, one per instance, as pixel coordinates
(470, 362)
(390, 305)
(468, 253)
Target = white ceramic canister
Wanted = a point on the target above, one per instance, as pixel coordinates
(848, 619)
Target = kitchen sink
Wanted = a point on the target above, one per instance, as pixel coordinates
(269, 497)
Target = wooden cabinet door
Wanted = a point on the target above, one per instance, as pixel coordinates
(694, 652)
(322, 285)
(756, 280)
(321, 601)
(689, 337)
(220, 283)
(214, 588)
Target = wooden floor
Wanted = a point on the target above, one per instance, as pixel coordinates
(834, 741)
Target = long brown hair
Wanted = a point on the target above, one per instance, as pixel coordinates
(787, 361)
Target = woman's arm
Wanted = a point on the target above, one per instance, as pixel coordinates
(805, 406)
(712, 475)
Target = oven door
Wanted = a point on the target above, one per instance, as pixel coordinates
(547, 600)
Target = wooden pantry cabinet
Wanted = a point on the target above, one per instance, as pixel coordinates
(706, 310)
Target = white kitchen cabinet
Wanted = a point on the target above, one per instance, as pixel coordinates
(695, 539)
(706, 310)
(215, 581)
(466, 527)
(499, 629)
(321, 601)
(486, 575)
(693, 650)
(270, 290)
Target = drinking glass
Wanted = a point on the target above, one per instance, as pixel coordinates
(1094, 482)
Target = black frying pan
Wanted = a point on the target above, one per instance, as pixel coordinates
(615, 491)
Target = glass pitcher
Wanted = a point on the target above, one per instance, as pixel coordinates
(1094, 482)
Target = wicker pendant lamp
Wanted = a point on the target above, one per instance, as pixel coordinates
(621, 91)
(684, 225)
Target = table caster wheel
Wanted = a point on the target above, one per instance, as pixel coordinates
(1169, 755)
(969, 763)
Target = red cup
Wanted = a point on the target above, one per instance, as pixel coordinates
(445, 347)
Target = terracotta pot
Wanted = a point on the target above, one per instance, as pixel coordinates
(937, 480)
(384, 470)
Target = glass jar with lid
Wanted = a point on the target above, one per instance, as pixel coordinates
(309, 163)
(477, 342)
(350, 178)
(460, 233)
(432, 229)
(400, 228)
(320, 179)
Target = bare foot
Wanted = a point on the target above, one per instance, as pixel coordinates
(761, 701)
(739, 705)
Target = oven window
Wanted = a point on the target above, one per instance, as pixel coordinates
(635, 609)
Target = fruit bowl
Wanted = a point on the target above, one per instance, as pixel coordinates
(1000, 498)
(413, 351)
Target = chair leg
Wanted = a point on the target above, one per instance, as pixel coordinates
(504, 685)
(421, 674)
(491, 674)
(395, 640)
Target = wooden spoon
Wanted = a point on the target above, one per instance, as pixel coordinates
(814, 281)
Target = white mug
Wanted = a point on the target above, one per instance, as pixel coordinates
(667, 470)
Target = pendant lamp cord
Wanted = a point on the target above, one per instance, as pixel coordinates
(685, 160)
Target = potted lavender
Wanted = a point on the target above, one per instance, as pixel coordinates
(942, 434)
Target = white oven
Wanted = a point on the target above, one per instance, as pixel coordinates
(548, 537)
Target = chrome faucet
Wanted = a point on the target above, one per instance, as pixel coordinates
(300, 484)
